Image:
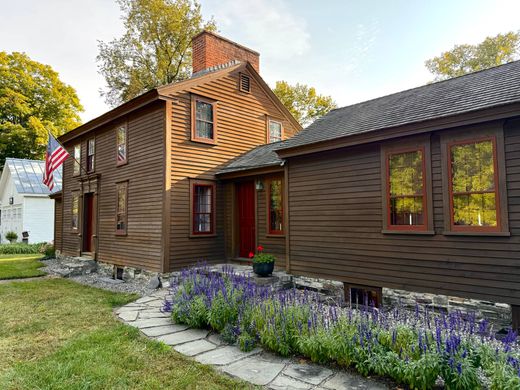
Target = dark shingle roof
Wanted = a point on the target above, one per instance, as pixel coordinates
(261, 156)
(28, 175)
(484, 89)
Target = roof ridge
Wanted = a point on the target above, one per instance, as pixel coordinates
(425, 85)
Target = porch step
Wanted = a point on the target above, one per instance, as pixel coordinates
(77, 266)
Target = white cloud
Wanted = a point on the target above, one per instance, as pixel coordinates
(267, 26)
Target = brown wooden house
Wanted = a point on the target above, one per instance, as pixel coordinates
(419, 190)
(146, 194)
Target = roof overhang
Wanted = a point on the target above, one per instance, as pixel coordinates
(440, 123)
(56, 195)
(257, 171)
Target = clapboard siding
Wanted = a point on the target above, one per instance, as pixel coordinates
(142, 246)
(58, 223)
(241, 125)
(336, 221)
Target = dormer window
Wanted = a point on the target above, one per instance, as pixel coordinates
(244, 83)
(274, 131)
(203, 120)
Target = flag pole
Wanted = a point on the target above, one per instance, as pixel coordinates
(74, 158)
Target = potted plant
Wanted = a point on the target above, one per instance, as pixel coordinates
(11, 236)
(263, 263)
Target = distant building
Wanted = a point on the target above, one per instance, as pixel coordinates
(25, 206)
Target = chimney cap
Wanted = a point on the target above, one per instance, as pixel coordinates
(203, 32)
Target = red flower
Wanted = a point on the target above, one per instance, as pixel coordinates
(251, 255)
(260, 248)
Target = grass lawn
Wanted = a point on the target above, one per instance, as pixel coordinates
(20, 266)
(57, 334)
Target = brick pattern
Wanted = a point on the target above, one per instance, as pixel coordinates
(210, 49)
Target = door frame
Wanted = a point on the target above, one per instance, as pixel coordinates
(89, 185)
(85, 222)
(236, 220)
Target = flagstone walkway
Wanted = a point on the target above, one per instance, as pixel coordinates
(258, 367)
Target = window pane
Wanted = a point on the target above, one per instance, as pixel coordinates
(75, 211)
(204, 129)
(407, 211)
(121, 143)
(121, 207)
(77, 158)
(406, 188)
(472, 167)
(275, 206)
(275, 131)
(204, 111)
(475, 210)
(202, 208)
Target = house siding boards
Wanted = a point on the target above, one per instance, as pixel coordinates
(335, 202)
(241, 125)
(141, 247)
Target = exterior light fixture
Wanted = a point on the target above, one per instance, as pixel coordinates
(259, 185)
(11, 200)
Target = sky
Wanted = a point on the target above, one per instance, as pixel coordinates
(351, 50)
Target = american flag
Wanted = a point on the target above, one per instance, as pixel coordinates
(54, 157)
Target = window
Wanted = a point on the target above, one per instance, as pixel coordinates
(363, 295)
(77, 159)
(473, 185)
(91, 149)
(274, 132)
(203, 120)
(406, 190)
(275, 206)
(75, 212)
(121, 208)
(244, 83)
(203, 208)
(121, 145)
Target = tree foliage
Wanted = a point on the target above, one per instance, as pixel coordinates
(463, 59)
(303, 102)
(154, 50)
(33, 100)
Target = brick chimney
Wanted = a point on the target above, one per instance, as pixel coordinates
(210, 49)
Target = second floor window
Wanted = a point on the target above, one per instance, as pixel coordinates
(275, 204)
(91, 150)
(406, 190)
(121, 145)
(274, 131)
(203, 120)
(75, 212)
(77, 159)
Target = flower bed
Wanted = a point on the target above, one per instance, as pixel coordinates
(420, 349)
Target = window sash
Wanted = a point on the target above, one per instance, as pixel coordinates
(407, 209)
(203, 209)
(91, 149)
(75, 212)
(77, 159)
(121, 144)
(122, 208)
(275, 131)
(478, 218)
(204, 120)
(275, 207)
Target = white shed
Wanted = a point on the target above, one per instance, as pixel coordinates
(25, 206)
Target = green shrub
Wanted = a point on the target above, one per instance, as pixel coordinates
(11, 236)
(21, 249)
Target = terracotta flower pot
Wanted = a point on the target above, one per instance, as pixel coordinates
(263, 269)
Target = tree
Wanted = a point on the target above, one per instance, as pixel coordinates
(155, 49)
(463, 59)
(303, 102)
(33, 100)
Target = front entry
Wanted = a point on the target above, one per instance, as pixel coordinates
(245, 195)
(88, 221)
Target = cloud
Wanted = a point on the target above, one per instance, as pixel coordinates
(360, 48)
(267, 26)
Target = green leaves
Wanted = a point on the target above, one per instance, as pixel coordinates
(33, 100)
(303, 102)
(463, 59)
(154, 50)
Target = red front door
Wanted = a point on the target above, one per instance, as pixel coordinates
(246, 218)
(88, 215)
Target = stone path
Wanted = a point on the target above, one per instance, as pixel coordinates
(257, 367)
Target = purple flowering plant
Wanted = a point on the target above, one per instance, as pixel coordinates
(419, 349)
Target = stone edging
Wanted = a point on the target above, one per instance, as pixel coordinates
(257, 367)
